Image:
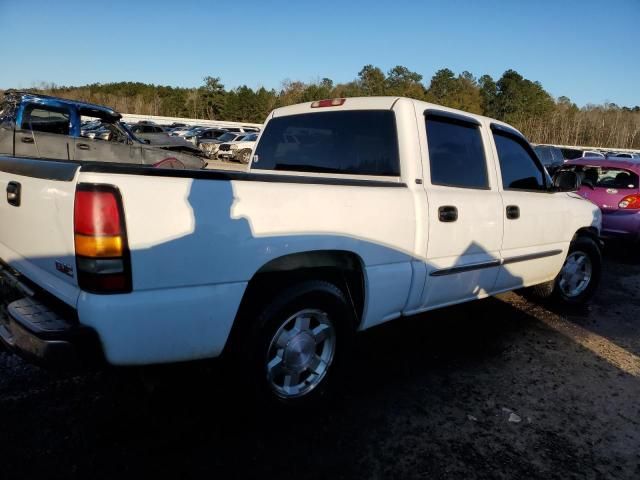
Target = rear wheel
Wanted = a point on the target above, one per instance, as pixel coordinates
(297, 343)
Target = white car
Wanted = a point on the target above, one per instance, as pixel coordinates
(354, 212)
(211, 146)
(239, 149)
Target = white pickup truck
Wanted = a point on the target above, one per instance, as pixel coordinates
(355, 212)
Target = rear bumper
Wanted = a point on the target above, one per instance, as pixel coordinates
(38, 333)
(621, 224)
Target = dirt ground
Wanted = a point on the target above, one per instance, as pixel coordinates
(500, 388)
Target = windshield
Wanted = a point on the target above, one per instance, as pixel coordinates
(228, 137)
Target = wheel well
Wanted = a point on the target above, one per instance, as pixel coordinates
(591, 232)
(342, 268)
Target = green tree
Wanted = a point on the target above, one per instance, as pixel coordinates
(403, 82)
(212, 96)
(372, 81)
(519, 98)
(488, 93)
(443, 87)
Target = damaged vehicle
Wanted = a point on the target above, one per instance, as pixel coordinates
(239, 150)
(159, 137)
(210, 146)
(41, 126)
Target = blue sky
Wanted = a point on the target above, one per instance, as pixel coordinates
(586, 50)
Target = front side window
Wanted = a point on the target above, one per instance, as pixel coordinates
(356, 142)
(41, 118)
(519, 168)
(456, 153)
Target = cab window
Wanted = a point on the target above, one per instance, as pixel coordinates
(456, 153)
(519, 168)
(42, 118)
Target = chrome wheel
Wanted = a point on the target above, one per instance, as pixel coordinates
(245, 157)
(300, 353)
(575, 275)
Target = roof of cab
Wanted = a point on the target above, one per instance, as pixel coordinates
(381, 103)
(84, 107)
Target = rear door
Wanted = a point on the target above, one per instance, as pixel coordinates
(465, 227)
(36, 222)
(43, 132)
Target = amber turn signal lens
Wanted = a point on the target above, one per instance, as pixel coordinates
(110, 246)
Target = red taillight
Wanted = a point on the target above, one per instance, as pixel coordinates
(102, 255)
(169, 162)
(330, 102)
(630, 202)
(96, 213)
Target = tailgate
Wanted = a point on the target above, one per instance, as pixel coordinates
(36, 222)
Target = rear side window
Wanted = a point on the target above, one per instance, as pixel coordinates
(39, 118)
(456, 154)
(519, 168)
(358, 142)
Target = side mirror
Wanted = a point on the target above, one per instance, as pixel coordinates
(147, 141)
(566, 181)
(588, 183)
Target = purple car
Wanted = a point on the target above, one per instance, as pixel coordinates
(613, 186)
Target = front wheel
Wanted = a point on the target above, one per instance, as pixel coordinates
(577, 281)
(244, 156)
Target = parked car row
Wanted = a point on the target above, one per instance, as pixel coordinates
(553, 157)
(216, 143)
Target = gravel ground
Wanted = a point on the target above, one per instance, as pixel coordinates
(501, 388)
(222, 165)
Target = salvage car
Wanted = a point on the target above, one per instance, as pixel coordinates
(157, 136)
(614, 186)
(383, 207)
(238, 150)
(210, 146)
(40, 126)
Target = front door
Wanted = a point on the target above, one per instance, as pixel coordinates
(535, 218)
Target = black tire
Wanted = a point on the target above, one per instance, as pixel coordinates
(553, 290)
(244, 156)
(259, 334)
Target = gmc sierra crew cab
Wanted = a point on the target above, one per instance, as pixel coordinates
(354, 212)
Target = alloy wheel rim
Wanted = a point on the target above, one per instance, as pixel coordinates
(576, 274)
(300, 353)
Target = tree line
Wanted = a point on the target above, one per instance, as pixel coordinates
(512, 98)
